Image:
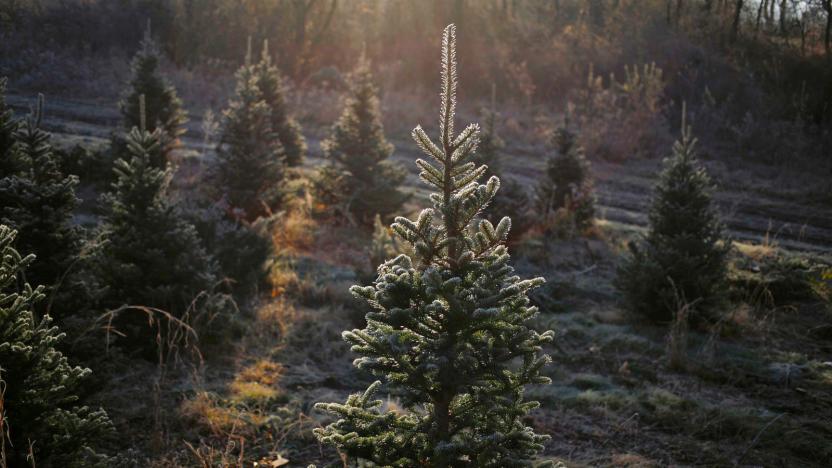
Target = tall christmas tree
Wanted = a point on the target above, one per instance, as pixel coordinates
(38, 201)
(360, 174)
(250, 159)
(567, 184)
(448, 331)
(684, 256)
(149, 254)
(163, 108)
(38, 387)
(270, 83)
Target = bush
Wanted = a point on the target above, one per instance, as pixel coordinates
(623, 119)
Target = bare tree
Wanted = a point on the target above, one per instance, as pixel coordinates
(735, 26)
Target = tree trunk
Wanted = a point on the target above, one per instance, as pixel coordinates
(759, 14)
(783, 18)
(735, 26)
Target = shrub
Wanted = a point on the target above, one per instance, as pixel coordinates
(625, 118)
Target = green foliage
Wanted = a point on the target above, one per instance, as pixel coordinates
(38, 201)
(287, 129)
(241, 250)
(163, 108)
(684, 255)
(38, 387)
(250, 159)
(447, 332)
(567, 184)
(8, 127)
(360, 177)
(149, 254)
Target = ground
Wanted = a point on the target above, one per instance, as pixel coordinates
(756, 391)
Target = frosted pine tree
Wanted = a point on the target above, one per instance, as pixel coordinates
(684, 254)
(163, 108)
(448, 331)
(149, 254)
(360, 176)
(287, 129)
(40, 407)
(250, 159)
(38, 201)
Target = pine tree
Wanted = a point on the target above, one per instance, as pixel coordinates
(512, 197)
(270, 83)
(367, 182)
(448, 330)
(8, 127)
(684, 254)
(567, 184)
(38, 201)
(163, 108)
(38, 387)
(250, 159)
(149, 254)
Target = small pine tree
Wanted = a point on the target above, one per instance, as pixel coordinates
(512, 197)
(684, 256)
(8, 127)
(149, 254)
(250, 159)
(38, 201)
(567, 184)
(448, 332)
(38, 387)
(163, 108)
(270, 83)
(367, 183)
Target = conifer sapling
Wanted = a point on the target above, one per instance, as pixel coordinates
(150, 255)
(163, 109)
(567, 184)
(8, 126)
(684, 254)
(360, 176)
(448, 328)
(250, 159)
(270, 83)
(40, 387)
(38, 201)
